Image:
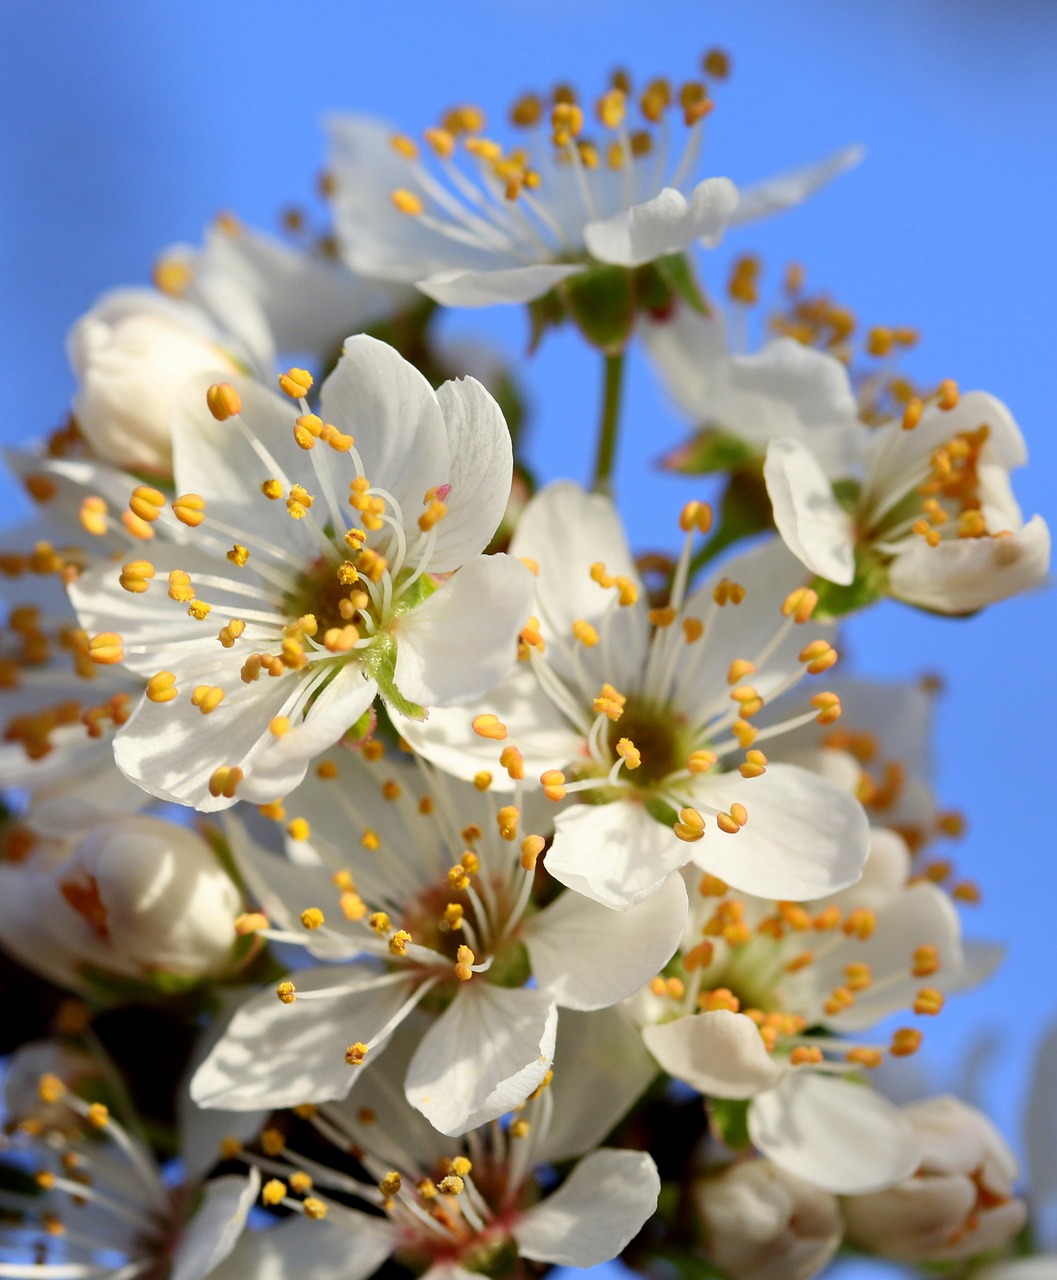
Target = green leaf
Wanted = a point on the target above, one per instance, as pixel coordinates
(730, 1120)
(601, 303)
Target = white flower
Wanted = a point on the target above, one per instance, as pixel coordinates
(767, 972)
(786, 389)
(136, 897)
(507, 225)
(759, 1222)
(316, 548)
(132, 354)
(649, 713)
(960, 1202)
(435, 883)
(450, 1210)
(103, 1207)
(935, 522)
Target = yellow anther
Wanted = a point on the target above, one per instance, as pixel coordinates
(199, 610)
(864, 1057)
(507, 820)
(716, 63)
(453, 914)
(795, 916)
(929, 1002)
(300, 1182)
(857, 976)
(190, 509)
(433, 513)
(829, 918)
(390, 1184)
(966, 891)
(440, 141)
(106, 648)
(273, 1192)
(805, 1055)
(293, 654)
(171, 276)
(299, 502)
(720, 998)
(489, 726)
(610, 703)
(801, 961)
(340, 639)
(272, 489)
(50, 1088)
(224, 401)
(162, 687)
(690, 827)
(828, 707)
(629, 753)
(471, 862)
(755, 764)
(531, 848)
(627, 591)
(355, 1054)
(224, 781)
(272, 1142)
(278, 726)
(905, 1041)
(513, 762)
(370, 840)
(482, 780)
(93, 516)
(136, 576)
(391, 789)
(146, 503)
(699, 956)
(947, 394)
(840, 998)
(398, 942)
(406, 201)
(464, 959)
(451, 1185)
(818, 656)
(912, 413)
(727, 823)
(404, 146)
(287, 992)
(800, 604)
(296, 383)
(327, 770)
(274, 811)
(207, 698)
(553, 781)
(371, 565)
(861, 924)
(531, 635)
(230, 1148)
(250, 922)
(693, 629)
(728, 592)
(352, 905)
(925, 961)
(457, 877)
(599, 575)
(748, 700)
(380, 923)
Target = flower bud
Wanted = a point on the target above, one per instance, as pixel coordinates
(959, 1203)
(758, 1222)
(132, 354)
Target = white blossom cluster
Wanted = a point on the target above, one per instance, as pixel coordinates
(516, 901)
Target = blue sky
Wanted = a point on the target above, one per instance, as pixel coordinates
(125, 126)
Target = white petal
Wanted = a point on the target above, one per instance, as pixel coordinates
(814, 385)
(350, 1244)
(594, 1213)
(614, 853)
(392, 412)
(1040, 1127)
(689, 350)
(813, 525)
(787, 190)
(965, 574)
(720, 1053)
(1043, 1267)
(461, 641)
(805, 836)
(482, 463)
(486, 1053)
(666, 224)
(216, 1225)
(280, 1055)
(588, 956)
(600, 1068)
(843, 1137)
(505, 284)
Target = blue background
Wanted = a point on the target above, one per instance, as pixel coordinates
(126, 125)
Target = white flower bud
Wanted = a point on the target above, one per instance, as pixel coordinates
(760, 1223)
(959, 1203)
(141, 897)
(132, 354)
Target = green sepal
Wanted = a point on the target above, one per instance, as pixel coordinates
(379, 661)
(661, 811)
(601, 303)
(511, 966)
(546, 312)
(745, 510)
(707, 451)
(866, 588)
(678, 274)
(730, 1122)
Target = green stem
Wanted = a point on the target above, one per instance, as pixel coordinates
(607, 430)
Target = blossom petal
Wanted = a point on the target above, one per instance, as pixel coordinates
(353, 1245)
(615, 853)
(805, 837)
(787, 190)
(587, 956)
(216, 1225)
(843, 1137)
(965, 574)
(668, 223)
(280, 1055)
(486, 1053)
(482, 464)
(460, 642)
(720, 1053)
(813, 525)
(504, 284)
(594, 1213)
